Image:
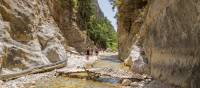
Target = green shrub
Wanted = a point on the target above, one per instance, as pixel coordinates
(99, 29)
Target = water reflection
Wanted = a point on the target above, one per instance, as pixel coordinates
(62, 82)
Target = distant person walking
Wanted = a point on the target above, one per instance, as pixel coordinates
(97, 51)
(87, 53)
(1, 62)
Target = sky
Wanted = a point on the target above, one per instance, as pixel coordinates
(106, 7)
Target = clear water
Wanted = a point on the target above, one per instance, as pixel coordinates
(62, 82)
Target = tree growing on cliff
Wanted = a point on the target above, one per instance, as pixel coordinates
(98, 27)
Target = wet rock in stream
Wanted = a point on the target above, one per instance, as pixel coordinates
(126, 82)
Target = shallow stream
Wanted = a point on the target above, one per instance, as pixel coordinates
(110, 61)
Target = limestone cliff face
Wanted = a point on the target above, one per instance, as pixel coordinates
(29, 35)
(37, 32)
(65, 15)
(172, 41)
(170, 35)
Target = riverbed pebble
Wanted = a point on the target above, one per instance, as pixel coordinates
(134, 84)
(126, 87)
(126, 82)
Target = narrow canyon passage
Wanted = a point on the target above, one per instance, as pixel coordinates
(146, 43)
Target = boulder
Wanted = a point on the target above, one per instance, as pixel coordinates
(128, 62)
(139, 66)
(159, 84)
(134, 84)
(1, 82)
(126, 82)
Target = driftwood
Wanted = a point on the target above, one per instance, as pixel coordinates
(34, 70)
(75, 53)
(102, 72)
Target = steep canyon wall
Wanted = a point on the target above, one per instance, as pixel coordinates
(29, 35)
(38, 32)
(169, 32)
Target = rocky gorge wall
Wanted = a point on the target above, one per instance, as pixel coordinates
(29, 35)
(37, 32)
(130, 20)
(169, 34)
(66, 15)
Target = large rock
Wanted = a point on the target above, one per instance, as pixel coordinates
(1, 82)
(128, 62)
(126, 82)
(159, 84)
(136, 60)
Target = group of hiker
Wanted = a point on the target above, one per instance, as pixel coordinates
(92, 51)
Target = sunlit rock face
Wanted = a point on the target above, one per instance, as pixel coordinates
(64, 13)
(29, 35)
(173, 41)
(170, 35)
(37, 32)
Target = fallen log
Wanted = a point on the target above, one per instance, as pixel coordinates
(34, 70)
